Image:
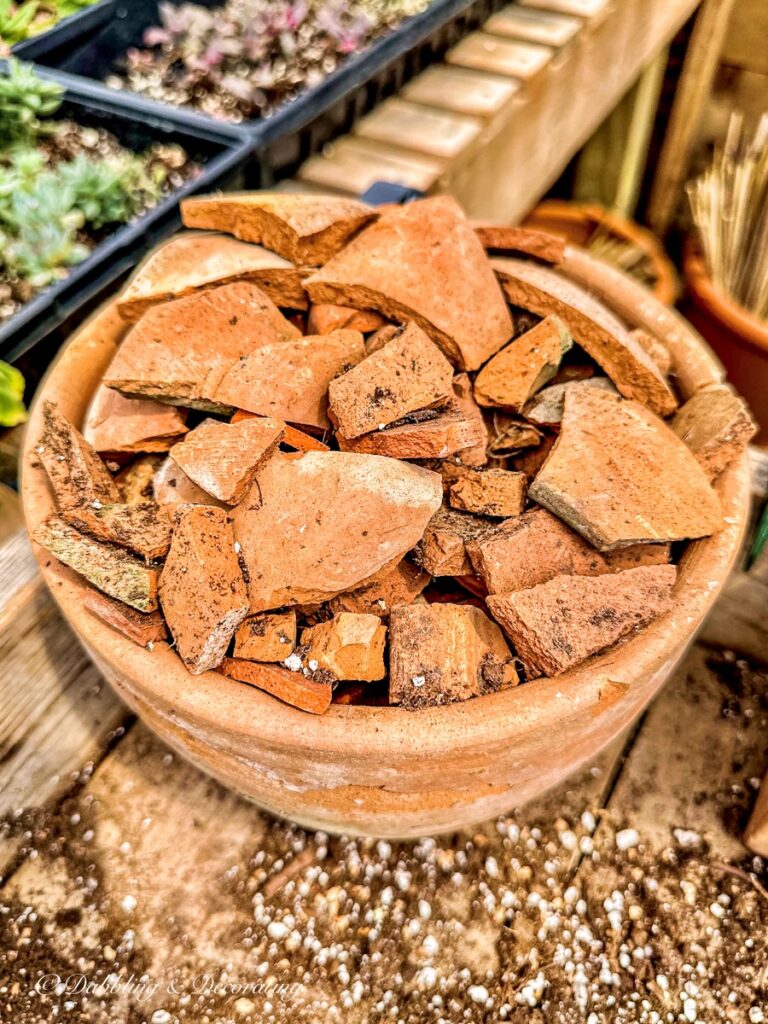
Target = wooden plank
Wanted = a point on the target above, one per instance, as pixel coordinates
(693, 87)
(403, 124)
(170, 849)
(533, 26)
(593, 9)
(11, 518)
(461, 90)
(739, 620)
(56, 712)
(352, 165)
(697, 758)
(748, 23)
(562, 109)
(483, 51)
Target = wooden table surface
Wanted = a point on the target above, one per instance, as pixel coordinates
(135, 889)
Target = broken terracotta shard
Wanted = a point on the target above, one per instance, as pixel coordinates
(517, 372)
(223, 458)
(440, 653)
(115, 423)
(435, 438)
(394, 585)
(202, 590)
(135, 481)
(464, 401)
(618, 475)
(290, 687)
(349, 646)
(509, 435)
(717, 427)
(546, 408)
(194, 261)
(408, 374)
(173, 349)
(423, 262)
(75, 472)
(347, 515)
(171, 487)
(109, 568)
(289, 381)
(521, 241)
(655, 348)
(537, 546)
(324, 318)
(599, 333)
(143, 628)
(558, 624)
(380, 338)
(492, 492)
(143, 528)
(270, 636)
(292, 436)
(305, 229)
(443, 549)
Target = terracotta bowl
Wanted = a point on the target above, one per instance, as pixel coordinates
(386, 771)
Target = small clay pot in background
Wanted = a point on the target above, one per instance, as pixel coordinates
(580, 223)
(739, 338)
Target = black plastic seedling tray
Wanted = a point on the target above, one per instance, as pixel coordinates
(33, 334)
(58, 39)
(304, 125)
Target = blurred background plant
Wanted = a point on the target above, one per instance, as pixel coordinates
(245, 58)
(19, 21)
(12, 411)
(729, 203)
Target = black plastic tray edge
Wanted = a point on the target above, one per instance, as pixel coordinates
(67, 30)
(302, 110)
(48, 310)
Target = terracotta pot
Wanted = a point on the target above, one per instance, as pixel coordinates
(379, 770)
(578, 222)
(739, 338)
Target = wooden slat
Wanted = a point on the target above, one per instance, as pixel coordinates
(56, 712)
(533, 26)
(461, 90)
(407, 125)
(693, 88)
(704, 735)
(529, 150)
(739, 620)
(352, 165)
(483, 51)
(595, 10)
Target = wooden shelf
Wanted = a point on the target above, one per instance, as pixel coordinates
(508, 133)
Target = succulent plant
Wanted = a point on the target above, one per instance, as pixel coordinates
(247, 57)
(12, 411)
(25, 99)
(61, 185)
(18, 21)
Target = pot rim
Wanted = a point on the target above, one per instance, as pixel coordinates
(233, 709)
(551, 211)
(711, 298)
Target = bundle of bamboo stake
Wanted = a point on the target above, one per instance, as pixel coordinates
(729, 203)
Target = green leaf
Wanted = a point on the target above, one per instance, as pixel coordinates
(12, 411)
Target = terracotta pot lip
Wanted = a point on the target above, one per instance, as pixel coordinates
(718, 303)
(237, 709)
(666, 288)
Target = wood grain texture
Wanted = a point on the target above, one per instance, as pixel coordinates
(56, 712)
(693, 87)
